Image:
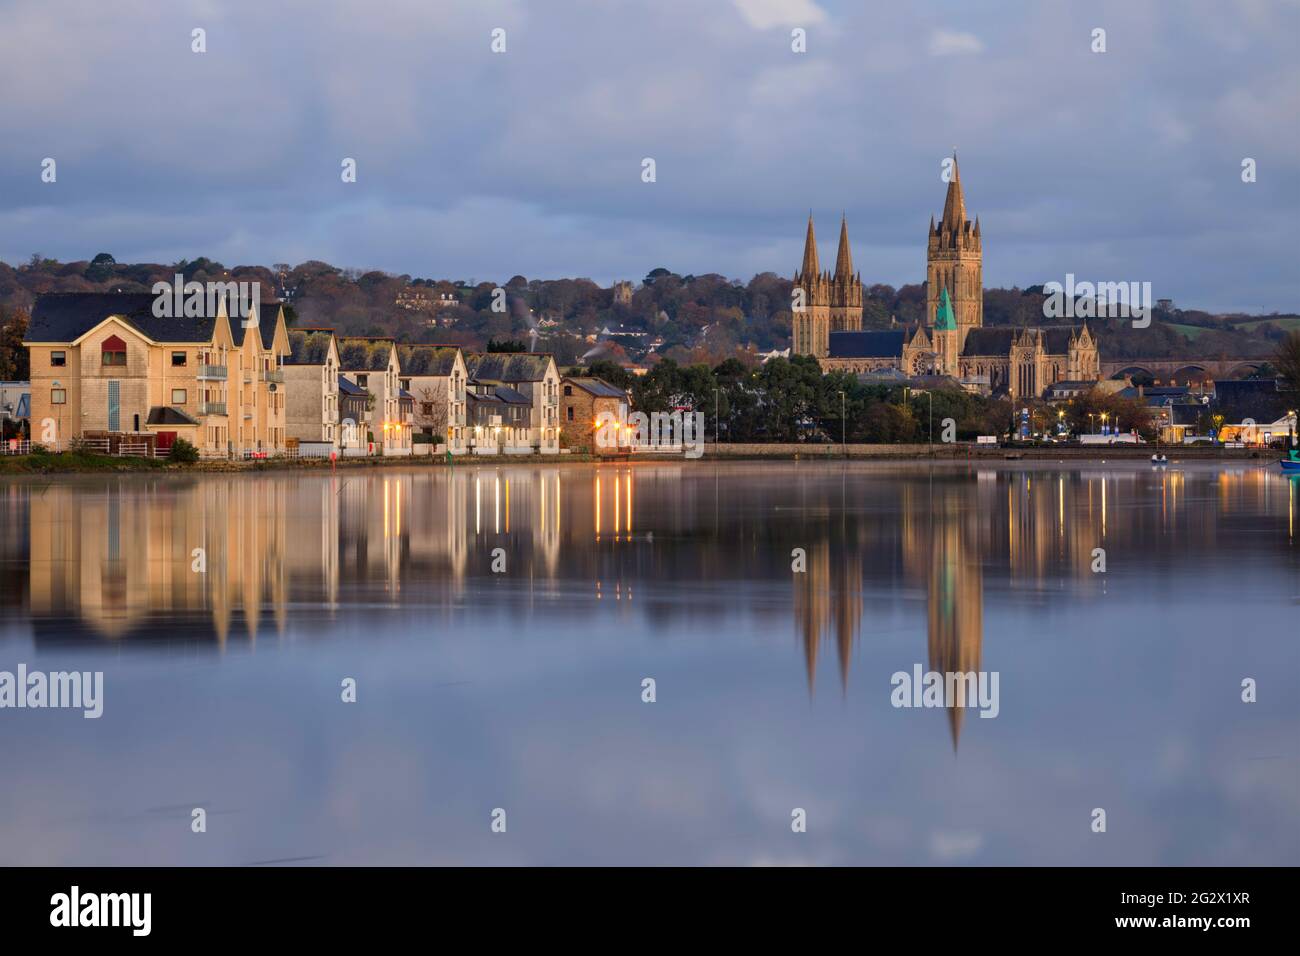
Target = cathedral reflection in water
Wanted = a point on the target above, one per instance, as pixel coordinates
(211, 560)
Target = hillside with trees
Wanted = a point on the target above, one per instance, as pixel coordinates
(691, 319)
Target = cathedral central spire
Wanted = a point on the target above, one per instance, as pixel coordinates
(954, 205)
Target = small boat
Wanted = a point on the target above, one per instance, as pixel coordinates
(1159, 460)
(1291, 464)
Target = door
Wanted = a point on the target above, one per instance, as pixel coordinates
(166, 440)
(114, 406)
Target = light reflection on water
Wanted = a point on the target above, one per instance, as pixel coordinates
(522, 689)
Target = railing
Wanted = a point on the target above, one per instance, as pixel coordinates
(272, 375)
(212, 408)
(133, 449)
(212, 371)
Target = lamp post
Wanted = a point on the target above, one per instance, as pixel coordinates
(844, 447)
(716, 437)
(930, 436)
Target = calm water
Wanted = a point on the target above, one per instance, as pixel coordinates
(522, 690)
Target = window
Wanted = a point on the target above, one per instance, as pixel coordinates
(59, 358)
(178, 359)
(58, 396)
(426, 408)
(178, 396)
(363, 381)
(570, 410)
(113, 351)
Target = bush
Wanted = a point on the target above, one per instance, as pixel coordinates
(183, 452)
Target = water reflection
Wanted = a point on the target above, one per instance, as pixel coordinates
(774, 684)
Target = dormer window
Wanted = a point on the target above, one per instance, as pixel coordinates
(114, 351)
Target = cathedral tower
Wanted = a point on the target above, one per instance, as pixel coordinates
(812, 303)
(846, 288)
(825, 302)
(955, 262)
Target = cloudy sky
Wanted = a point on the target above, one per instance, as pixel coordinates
(1116, 166)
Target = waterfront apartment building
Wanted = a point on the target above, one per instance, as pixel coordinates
(256, 389)
(105, 367)
(437, 380)
(311, 382)
(373, 364)
(533, 375)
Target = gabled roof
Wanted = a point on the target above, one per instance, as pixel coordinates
(508, 366)
(1239, 399)
(878, 343)
(500, 395)
(348, 388)
(358, 354)
(595, 386)
(267, 314)
(308, 346)
(167, 415)
(66, 316)
(433, 360)
(990, 341)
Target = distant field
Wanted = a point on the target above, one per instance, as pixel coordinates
(1191, 331)
(1290, 323)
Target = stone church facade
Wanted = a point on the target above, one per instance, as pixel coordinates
(1018, 362)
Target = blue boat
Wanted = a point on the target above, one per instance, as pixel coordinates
(1291, 464)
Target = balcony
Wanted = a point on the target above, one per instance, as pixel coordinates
(212, 408)
(273, 375)
(211, 372)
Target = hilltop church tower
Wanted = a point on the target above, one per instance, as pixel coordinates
(825, 302)
(955, 263)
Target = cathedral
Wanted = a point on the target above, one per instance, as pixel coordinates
(1001, 360)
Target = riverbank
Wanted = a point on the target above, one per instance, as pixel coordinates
(81, 463)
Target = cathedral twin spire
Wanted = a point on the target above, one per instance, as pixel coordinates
(843, 259)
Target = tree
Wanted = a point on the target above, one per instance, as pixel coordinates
(100, 268)
(431, 410)
(14, 361)
(506, 345)
(607, 371)
(1287, 360)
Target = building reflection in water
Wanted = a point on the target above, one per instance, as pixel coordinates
(698, 545)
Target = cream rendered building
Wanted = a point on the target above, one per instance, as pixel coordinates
(532, 374)
(104, 367)
(373, 364)
(436, 378)
(257, 382)
(311, 383)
